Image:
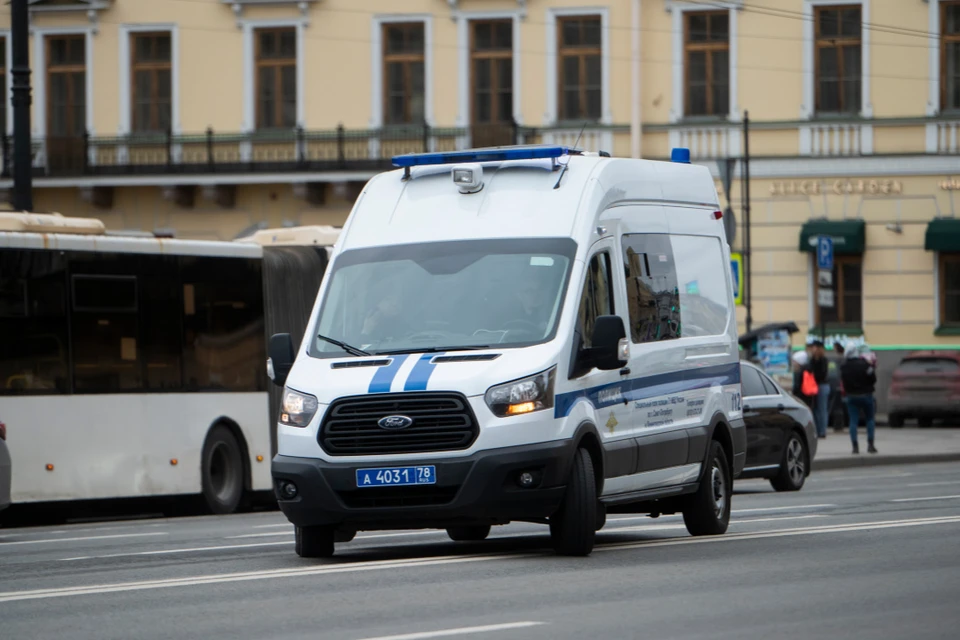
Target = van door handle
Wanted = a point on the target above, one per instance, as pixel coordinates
(746, 407)
(780, 407)
(625, 371)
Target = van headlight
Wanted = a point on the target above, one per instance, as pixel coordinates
(522, 396)
(297, 409)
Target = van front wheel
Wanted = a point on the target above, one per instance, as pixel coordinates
(314, 542)
(573, 526)
(708, 511)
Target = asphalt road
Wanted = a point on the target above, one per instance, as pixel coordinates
(868, 553)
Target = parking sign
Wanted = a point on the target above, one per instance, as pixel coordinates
(825, 253)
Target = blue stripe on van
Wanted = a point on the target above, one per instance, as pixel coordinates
(420, 376)
(383, 378)
(648, 387)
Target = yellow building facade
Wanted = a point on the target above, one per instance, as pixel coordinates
(209, 118)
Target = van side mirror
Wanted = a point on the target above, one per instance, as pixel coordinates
(279, 358)
(610, 347)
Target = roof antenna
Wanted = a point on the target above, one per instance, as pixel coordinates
(563, 169)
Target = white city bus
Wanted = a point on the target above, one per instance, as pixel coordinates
(134, 366)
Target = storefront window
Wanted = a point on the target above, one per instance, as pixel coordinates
(950, 289)
(847, 294)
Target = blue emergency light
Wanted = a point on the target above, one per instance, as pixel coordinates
(532, 152)
(681, 155)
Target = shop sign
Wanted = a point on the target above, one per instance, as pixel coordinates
(838, 187)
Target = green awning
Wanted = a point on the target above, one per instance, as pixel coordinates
(849, 236)
(943, 234)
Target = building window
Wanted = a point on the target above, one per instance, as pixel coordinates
(67, 79)
(581, 74)
(491, 69)
(838, 59)
(403, 78)
(151, 69)
(276, 91)
(707, 63)
(950, 289)
(847, 294)
(3, 83)
(950, 56)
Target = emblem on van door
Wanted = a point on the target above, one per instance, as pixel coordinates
(395, 422)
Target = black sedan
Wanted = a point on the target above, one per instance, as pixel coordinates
(781, 436)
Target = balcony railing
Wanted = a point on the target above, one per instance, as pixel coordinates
(339, 149)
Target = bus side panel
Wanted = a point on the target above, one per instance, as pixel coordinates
(114, 446)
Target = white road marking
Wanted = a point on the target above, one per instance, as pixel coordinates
(37, 594)
(926, 498)
(261, 535)
(169, 551)
(273, 526)
(664, 527)
(110, 537)
(798, 507)
(934, 484)
(461, 631)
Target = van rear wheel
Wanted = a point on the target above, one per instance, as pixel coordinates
(573, 526)
(707, 512)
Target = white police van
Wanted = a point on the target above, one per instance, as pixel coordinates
(515, 334)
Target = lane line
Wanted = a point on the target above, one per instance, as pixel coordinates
(110, 537)
(925, 499)
(272, 526)
(171, 551)
(798, 507)
(461, 631)
(260, 535)
(97, 589)
(935, 484)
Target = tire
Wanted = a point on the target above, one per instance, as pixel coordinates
(573, 526)
(925, 423)
(793, 467)
(707, 512)
(222, 471)
(469, 534)
(896, 421)
(314, 542)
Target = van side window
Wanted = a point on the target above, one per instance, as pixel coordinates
(653, 299)
(704, 290)
(597, 297)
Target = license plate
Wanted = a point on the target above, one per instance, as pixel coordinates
(396, 476)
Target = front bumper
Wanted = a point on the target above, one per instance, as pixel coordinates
(478, 489)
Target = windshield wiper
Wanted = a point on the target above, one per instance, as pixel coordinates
(397, 352)
(345, 346)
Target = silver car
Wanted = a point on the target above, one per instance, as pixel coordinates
(5, 469)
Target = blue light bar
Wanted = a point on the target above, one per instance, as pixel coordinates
(534, 152)
(680, 155)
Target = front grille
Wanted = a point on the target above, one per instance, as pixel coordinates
(380, 497)
(441, 422)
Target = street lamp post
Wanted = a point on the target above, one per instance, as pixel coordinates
(22, 152)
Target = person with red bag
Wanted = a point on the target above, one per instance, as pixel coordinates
(804, 384)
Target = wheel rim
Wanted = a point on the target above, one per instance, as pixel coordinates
(796, 465)
(719, 484)
(222, 472)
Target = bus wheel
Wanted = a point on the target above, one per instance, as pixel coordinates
(222, 471)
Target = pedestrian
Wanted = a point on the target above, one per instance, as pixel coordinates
(801, 364)
(859, 380)
(820, 368)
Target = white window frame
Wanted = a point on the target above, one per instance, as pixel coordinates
(7, 36)
(463, 19)
(127, 31)
(808, 107)
(553, 14)
(376, 64)
(678, 9)
(39, 80)
(249, 124)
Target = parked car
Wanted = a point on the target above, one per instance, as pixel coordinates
(5, 468)
(781, 436)
(925, 386)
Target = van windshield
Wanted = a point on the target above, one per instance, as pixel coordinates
(445, 295)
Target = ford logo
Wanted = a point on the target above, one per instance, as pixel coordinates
(395, 422)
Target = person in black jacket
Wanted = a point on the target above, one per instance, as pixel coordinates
(859, 381)
(821, 372)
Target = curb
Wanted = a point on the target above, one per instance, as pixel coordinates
(881, 460)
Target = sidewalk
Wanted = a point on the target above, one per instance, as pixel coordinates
(895, 446)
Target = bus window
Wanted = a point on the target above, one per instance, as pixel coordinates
(33, 357)
(161, 322)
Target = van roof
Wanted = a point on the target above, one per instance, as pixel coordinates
(518, 198)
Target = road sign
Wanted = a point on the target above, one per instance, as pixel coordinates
(825, 298)
(825, 253)
(825, 278)
(736, 267)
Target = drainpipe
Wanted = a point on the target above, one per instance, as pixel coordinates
(636, 125)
